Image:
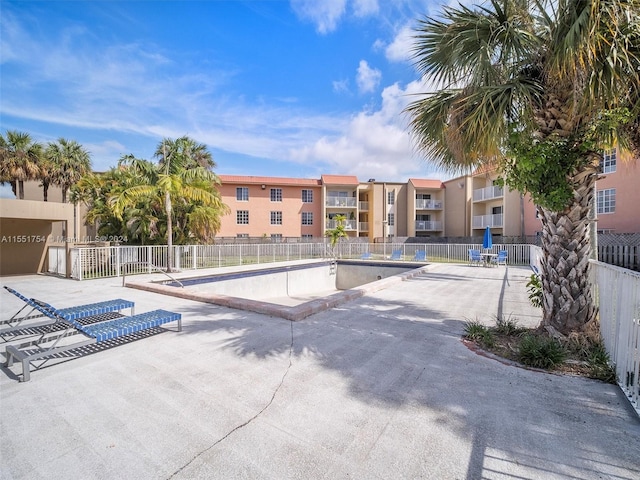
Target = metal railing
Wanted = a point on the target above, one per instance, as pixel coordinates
(483, 221)
(617, 294)
(340, 202)
(429, 226)
(422, 204)
(616, 290)
(487, 193)
(102, 262)
(347, 224)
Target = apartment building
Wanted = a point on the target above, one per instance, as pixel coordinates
(272, 207)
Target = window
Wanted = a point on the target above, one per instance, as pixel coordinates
(607, 201)
(242, 194)
(276, 218)
(307, 196)
(276, 194)
(307, 218)
(307, 236)
(496, 210)
(609, 161)
(242, 217)
(391, 197)
(391, 219)
(423, 196)
(423, 218)
(276, 237)
(242, 235)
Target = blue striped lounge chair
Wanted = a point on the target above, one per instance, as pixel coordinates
(47, 346)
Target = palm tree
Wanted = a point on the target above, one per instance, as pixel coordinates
(19, 158)
(45, 175)
(536, 88)
(70, 162)
(183, 176)
(337, 233)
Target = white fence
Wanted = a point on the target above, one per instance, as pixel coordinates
(101, 262)
(616, 290)
(617, 293)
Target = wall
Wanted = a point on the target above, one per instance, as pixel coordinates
(457, 207)
(260, 207)
(626, 181)
(25, 233)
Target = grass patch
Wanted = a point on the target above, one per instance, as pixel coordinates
(578, 354)
(541, 351)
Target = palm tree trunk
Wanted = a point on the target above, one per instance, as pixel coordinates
(20, 189)
(64, 193)
(167, 207)
(45, 190)
(567, 298)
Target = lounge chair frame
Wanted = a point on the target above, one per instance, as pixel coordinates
(23, 318)
(48, 346)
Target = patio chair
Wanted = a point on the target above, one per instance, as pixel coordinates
(29, 317)
(420, 256)
(500, 259)
(366, 256)
(47, 347)
(396, 255)
(475, 258)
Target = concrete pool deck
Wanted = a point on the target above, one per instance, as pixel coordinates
(377, 388)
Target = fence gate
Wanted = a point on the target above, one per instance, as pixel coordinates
(57, 261)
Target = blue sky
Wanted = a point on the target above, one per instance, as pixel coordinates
(274, 87)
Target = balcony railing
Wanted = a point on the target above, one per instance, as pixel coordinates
(423, 204)
(487, 193)
(340, 202)
(363, 226)
(484, 221)
(363, 206)
(428, 226)
(348, 224)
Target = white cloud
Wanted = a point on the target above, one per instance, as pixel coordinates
(367, 78)
(373, 144)
(341, 86)
(362, 8)
(400, 49)
(325, 14)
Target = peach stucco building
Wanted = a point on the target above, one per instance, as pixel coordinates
(275, 208)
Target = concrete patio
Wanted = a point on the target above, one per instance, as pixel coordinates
(378, 388)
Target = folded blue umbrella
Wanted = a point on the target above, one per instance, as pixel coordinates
(487, 241)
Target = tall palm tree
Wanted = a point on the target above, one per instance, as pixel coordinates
(183, 175)
(70, 162)
(537, 88)
(19, 159)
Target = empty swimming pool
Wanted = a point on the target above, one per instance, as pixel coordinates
(289, 291)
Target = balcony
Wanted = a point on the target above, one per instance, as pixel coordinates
(487, 193)
(363, 206)
(428, 226)
(484, 221)
(348, 224)
(337, 202)
(422, 204)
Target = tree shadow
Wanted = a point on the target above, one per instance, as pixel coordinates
(406, 352)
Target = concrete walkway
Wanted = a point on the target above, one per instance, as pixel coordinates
(377, 388)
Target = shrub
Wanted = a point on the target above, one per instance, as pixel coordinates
(541, 352)
(600, 364)
(477, 332)
(508, 326)
(534, 288)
